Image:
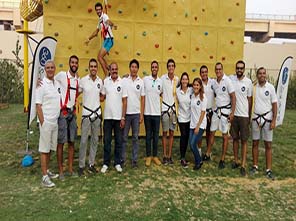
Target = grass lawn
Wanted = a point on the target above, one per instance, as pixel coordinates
(155, 193)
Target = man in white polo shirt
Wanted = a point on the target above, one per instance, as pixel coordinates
(224, 112)
(114, 116)
(91, 86)
(168, 110)
(48, 110)
(134, 112)
(240, 125)
(263, 120)
(153, 90)
(209, 94)
(69, 82)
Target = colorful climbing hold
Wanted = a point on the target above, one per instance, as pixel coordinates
(170, 48)
(223, 58)
(203, 10)
(193, 69)
(179, 32)
(80, 25)
(49, 24)
(186, 14)
(156, 45)
(125, 36)
(211, 56)
(232, 42)
(144, 33)
(237, 4)
(206, 33)
(145, 73)
(116, 52)
(195, 18)
(119, 11)
(87, 51)
(89, 10)
(229, 19)
(145, 8)
(56, 34)
(69, 47)
(60, 65)
(197, 48)
(184, 56)
(46, 1)
(138, 53)
(155, 14)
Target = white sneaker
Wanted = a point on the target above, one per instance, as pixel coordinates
(104, 168)
(118, 168)
(46, 182)
(52, 175)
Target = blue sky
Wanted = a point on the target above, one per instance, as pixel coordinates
(278, 7)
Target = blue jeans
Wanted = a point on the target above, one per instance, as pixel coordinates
(152, 133)
(131, 120)
(110, 125)
(193, 139)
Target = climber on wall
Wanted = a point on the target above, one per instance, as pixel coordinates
(105, 25)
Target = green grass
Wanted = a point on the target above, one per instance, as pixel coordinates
(156, 193)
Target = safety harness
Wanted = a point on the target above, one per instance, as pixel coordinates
(64, 109)
(92, 113)
(105, 30)
(219, 112)
(209, 113)
(171, 109)
(261, 116)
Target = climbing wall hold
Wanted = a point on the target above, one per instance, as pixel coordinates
(197, 48)
(223, 58)
(195, 18)
(170, 48)
(206, 33)
(237, 4)
(193, 69)
(156, 45)
(125, 36)
(60, 65)
(211, 56)
(145, 8)
(155, 14)
(56, 34)
(184, 56)
(203, 10)
(229, 19)
(49, 24)
(144, 33)
(89, 10)
(179, 32)
(80, 25)
(69, 47)
(138, 53)
(116, 52)
(119, 11)
(186, 14)
(232, 42)
(145, 73)
(46, 1)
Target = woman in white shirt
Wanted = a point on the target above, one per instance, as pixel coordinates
(184, 92)
(198, 121)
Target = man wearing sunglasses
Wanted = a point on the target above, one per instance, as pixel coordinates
(240, 125)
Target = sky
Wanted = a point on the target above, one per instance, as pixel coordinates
(277, 7)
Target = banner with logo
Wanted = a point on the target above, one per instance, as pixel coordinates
(45, 51)
(282, 89)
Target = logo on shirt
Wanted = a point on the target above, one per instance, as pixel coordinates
(223, 88)
(158, 87)
(243, 88)
(118, 88)
(198, 103)
(59, 90)
(98, 85)
(138, 86)
(266, 93)
(285, 75)
(44, 55)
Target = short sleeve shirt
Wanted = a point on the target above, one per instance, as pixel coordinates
(197, 106)
(222, 91)
(184, 104)
(104, 26)
(169, 88)
(209, 93)
(153, 90)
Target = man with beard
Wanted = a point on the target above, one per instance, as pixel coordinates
(263, 120)
(153, 90)
(67, 120)
(105, 25)
(240, 125)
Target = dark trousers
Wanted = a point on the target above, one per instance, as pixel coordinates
(184, 129)
(110, 125)
(152, 133)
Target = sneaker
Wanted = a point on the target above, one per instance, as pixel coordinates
(134, 164)
(122, 163)
(148, 161)
(221, 164)
(243, 171)
(80, 171)
(92, 169)
(184, 163)
(165, 161)
(170, 161)
(197, 167)
(156, 161)
(234, 165)
(52, 175)
(206, 157)
(104, 168)
(269, 175)
(61, 177)
(253, 170)
(46, 182)
(118, 168)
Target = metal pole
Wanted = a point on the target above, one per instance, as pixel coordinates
(26, 68)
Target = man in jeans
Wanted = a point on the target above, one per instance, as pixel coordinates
(114, 116)
(134, 112)
(153, 90)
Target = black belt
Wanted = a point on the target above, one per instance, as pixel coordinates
(219, 112)
(261, 116)
(95, 112)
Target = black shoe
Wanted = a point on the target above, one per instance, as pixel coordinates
(122, 163)
(165, 161)
(234, 165)
(134, 164)
(253, 170)
(269, 175)
(197, 167)
(221, 164)
(184, 163)
(243, 171)
(206, 157)
(80, 171)
(170, 161)
(92, 169)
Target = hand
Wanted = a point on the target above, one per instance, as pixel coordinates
(39, 82)
(272, 125)
(122, 123)
(196, 130)
(87, 41)
(230, 118)
(141, 118)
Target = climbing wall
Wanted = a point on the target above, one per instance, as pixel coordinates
(192, 32)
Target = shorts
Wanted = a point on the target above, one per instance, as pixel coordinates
(240, 128)
(168, 122)
(67, 128)
(48, 137)
(220, 122)
(267, 134)
(108, 44)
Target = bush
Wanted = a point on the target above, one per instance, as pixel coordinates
(291, 101)
(11, 82)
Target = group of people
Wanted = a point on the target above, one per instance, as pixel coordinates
(204, 105)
